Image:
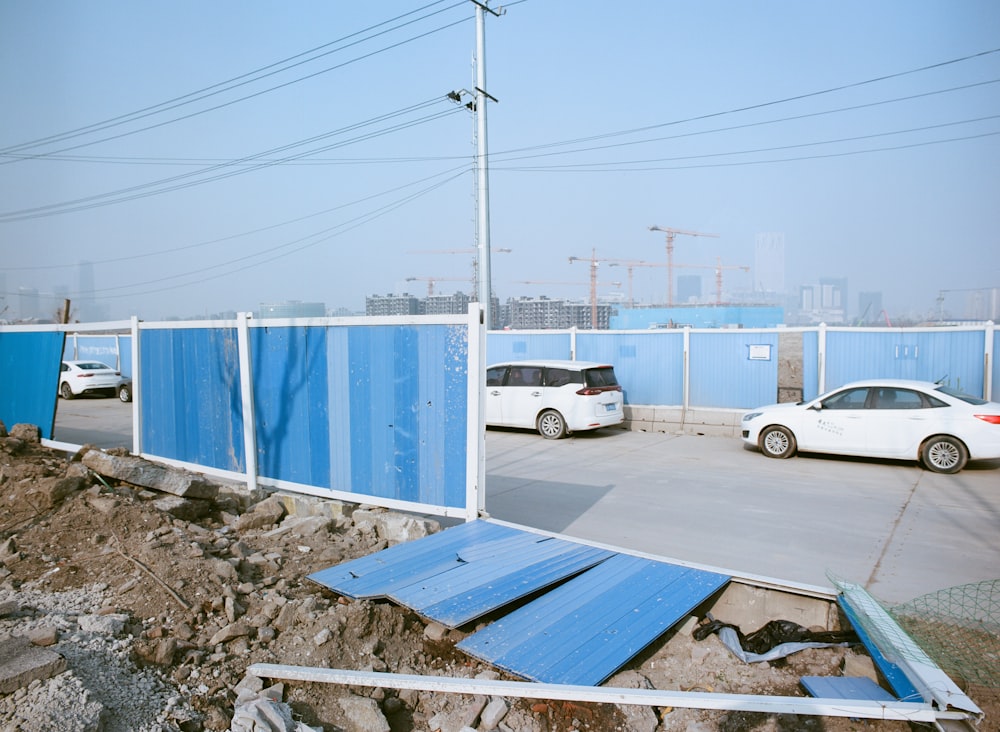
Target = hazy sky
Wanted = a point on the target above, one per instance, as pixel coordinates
(207, 157)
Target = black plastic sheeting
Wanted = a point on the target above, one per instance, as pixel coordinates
(776, 639)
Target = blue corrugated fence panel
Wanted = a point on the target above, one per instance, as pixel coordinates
(518, 569)
(190, 396)
(584, 630)
(893, 674)
(845, 687)
(953, 355)
(382, 573)
(648, 365)
(462, 573)
(724, 375)
(377, 410)
(290, 403)
(518, 345)
(29, 362)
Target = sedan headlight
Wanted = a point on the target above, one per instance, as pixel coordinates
(751, 415)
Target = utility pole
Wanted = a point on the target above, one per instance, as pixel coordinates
(483, 191)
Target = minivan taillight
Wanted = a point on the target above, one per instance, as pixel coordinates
(595, 390)
(991, 418)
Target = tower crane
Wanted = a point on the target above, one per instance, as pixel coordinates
(718, 267)
(467, 250)
(671, 235)
(431, 280)
(593, 283)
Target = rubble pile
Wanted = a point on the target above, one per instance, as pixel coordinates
(134, 597)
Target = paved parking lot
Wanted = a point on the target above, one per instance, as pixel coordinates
(896, 529)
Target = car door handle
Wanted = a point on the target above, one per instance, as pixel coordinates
(536, 393)
(495, 392)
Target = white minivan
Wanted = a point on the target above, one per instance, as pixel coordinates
(553, 397)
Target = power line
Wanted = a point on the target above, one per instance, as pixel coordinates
(558, 169)
(230, 84)
(748, 125)
(789, 147)
(759, 105)
(462, 170)
(183, 180)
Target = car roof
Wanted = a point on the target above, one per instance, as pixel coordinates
(556, 363)
(902, 383)
(87, 361)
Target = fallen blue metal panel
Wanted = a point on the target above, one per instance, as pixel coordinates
(844, 687)
(584, 630)
(462, 573)
(894, 675)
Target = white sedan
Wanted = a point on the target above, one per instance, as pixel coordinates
(88, 377)
(884, 418)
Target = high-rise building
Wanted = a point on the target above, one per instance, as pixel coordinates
(405, 304)
(540, 313)
(688, 288)
(457, 304)
(769, 263)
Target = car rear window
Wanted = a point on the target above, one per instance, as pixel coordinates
(604, 376)
(962, 395)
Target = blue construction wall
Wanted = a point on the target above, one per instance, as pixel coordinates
(649, 365)
(29, 378)
(516, 345)
(698, 316)
(952, 356)
(190, 396)
(733, 368)
(379, 410)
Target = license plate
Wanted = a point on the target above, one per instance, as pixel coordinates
(611, 407)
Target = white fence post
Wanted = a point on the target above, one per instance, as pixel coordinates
(246, 389)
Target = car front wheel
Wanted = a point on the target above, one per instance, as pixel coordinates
(66, 391)
(777, 442)
(551, 425)
(944, 454)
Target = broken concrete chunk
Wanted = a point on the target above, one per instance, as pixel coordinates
(141, 472)
(29, 433)
(363, 714)
(186, 509)
(21, 663)
(266, 513)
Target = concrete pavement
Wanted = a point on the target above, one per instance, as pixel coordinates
(891, 526)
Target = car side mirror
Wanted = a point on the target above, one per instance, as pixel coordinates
(818, 406)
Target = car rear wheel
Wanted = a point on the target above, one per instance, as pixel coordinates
(125, 393)
(551, 425)
(944, 454)
(66, 390)
(777, 442)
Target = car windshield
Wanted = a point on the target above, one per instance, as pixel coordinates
(94, 366)
(603, 376)
(961, 395)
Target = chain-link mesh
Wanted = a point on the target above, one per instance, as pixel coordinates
(959, 627)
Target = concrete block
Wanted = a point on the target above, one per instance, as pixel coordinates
(21, 663)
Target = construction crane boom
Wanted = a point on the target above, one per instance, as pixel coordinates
(431, 280)
(671, 234)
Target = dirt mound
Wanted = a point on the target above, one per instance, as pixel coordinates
(169, 599)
